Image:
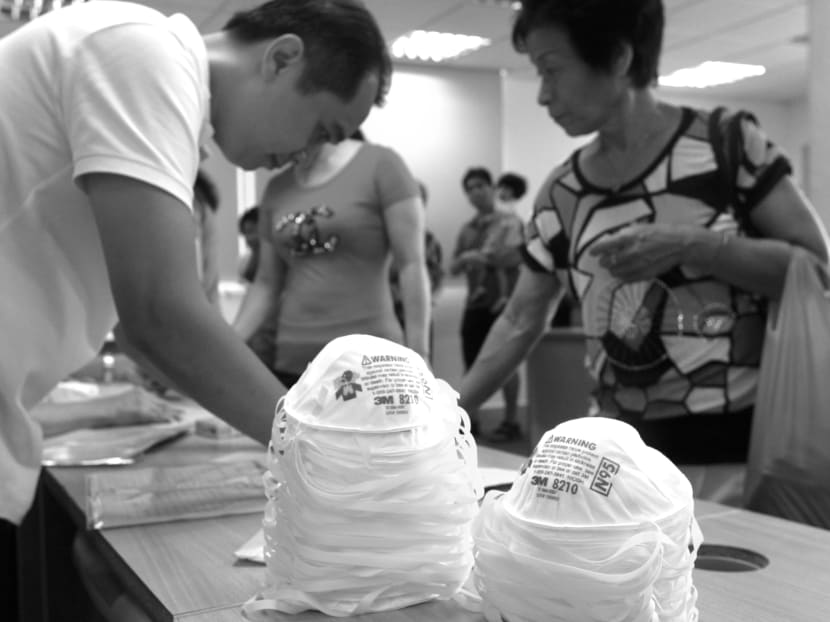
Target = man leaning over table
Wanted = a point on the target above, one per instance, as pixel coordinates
(101, 124)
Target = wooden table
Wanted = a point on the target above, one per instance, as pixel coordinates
(795, 587)
(186, 570)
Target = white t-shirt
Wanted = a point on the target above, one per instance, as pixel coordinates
(101, 87)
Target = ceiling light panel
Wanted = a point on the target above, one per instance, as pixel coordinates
(711, 73)
(428, 45)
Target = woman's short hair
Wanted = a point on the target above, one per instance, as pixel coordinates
(598, 29)
(343, 42)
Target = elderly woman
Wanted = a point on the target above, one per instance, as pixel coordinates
(672, 264)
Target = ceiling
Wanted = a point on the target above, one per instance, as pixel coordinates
(767, 32)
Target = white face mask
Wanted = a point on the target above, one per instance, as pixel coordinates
(596, 471)
(597, 523)
(372, 485)
(363, 383)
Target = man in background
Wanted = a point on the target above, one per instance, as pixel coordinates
(487, 252)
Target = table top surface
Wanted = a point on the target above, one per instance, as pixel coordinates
(186, 570)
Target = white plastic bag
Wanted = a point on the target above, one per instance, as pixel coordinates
(788, 471)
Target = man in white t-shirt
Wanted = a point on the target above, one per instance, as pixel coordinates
(103, 110)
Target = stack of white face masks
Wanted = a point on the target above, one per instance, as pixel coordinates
(598, 527)
(372, 485)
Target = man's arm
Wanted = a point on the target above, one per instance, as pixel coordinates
(147, 239)
(458, 263)
(511, 338)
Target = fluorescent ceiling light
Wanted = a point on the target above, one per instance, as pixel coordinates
(514, 5)
(24, 10)
(435, 46)
(711, 73)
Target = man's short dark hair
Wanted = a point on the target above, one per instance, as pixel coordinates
(343, 42)
(516, 183)
(477, 172)
(598, 29)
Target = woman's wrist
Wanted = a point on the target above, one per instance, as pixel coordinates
(704, 250)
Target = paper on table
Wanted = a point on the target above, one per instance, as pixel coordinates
(108, 446)
(161, 494)
(69, 391)
(495, 476)
(253, 549)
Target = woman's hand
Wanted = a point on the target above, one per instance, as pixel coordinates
(642, 252)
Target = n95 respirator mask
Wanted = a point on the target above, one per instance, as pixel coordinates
(597, 526)
(372, 485)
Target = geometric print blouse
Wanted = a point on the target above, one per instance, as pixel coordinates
(683, 343)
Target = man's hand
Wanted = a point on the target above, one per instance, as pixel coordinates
(135, 406)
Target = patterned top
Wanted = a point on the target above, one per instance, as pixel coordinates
(685, 343)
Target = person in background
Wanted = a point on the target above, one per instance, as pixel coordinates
(639, 221)
(329, 228)
(510, 188)
(262, 341)
(486, 246)
(95, 227)
(433, 255)
(205, 206)
(249, 230)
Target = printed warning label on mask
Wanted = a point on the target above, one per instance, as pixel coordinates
(394, 383)
(568, 465)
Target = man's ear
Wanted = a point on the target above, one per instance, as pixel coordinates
(281, 53)
(622, 63)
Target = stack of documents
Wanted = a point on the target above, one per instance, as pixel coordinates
(161, 494)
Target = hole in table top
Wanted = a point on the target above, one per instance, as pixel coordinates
(724, 558)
